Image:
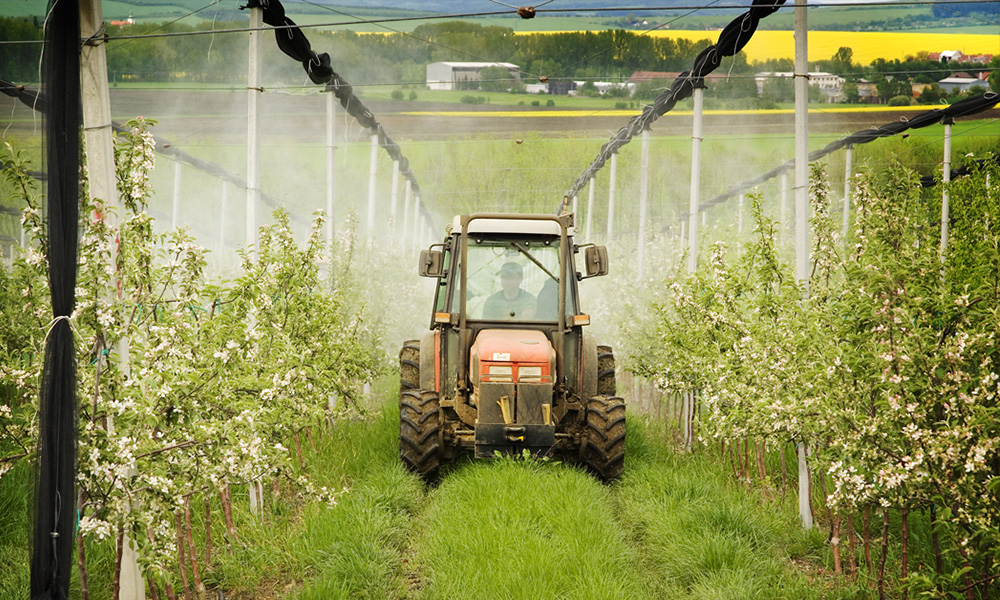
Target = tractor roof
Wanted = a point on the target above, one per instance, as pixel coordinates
(511, 224)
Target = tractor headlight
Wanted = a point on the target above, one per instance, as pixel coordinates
(502, 370)
(529, 372)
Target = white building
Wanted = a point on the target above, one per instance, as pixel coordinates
(831, 85)
(451, 75)
(962, 82)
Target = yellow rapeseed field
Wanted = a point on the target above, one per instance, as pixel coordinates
(867, 45)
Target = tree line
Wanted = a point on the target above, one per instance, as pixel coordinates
(401, 58)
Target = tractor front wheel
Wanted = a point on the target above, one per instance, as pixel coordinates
(420, 439)
(603, 444)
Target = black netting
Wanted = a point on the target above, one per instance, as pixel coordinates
(294, 43)
(962, 108)
(732, 39)
(55, 499)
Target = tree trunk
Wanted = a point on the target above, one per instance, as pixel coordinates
(199, 586)
(969, 587)
(809, 475)
(169, 591)
(180, 555)
(784, 477)
(208, 532)
(906, 540)
(312, 442)
(298, 452)
(154, 593)
(868, 542)
(852, 563)
(227, 514)
(987, 567)
(732, 461)
(936, 541)
(885, 550)
(829, 511)
(835, 543)
(117, 578)
(81, 562)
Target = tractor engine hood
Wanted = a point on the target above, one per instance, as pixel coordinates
(503, 354)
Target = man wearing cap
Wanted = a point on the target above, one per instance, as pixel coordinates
(511, 302)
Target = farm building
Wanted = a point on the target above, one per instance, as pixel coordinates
(463, 75)
(962, 82)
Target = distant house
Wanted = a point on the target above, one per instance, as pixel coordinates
(831, 85)
(604, 86)
(867, 92)
(129, 21)
(561, 87)
(962, 82)
(956, 56)
(463, 75)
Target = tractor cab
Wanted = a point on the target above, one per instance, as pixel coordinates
(506, 365)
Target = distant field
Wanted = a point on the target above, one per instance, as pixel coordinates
(867, 45)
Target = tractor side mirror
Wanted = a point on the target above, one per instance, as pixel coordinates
(595, 259)
(431, 263)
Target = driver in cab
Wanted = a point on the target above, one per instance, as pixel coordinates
(511, 302)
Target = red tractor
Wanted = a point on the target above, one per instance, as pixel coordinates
(507, 366)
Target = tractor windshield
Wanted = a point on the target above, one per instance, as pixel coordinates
(513, 280)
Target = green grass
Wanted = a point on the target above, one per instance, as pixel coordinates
(675, 526)
(515, 529)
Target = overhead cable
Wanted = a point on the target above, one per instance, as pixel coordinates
(37, 101)
(962, 108)
(732, 39)
(294, 43)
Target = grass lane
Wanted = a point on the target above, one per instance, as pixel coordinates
(675, 526)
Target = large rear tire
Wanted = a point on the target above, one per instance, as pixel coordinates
(409, 366)
(603, 444)
(420, 432)
(606, 384)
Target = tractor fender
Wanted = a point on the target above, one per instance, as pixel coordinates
(588, 368)
(429, 363)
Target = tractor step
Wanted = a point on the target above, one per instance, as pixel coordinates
(513, 439)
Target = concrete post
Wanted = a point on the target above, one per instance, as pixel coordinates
(611, 197)
(848, 174)
(802, 207)
(331, 162)
(590, 212)
(643, 204)
(372, 172)
(945, 179)
(254, 91)
(695, 198)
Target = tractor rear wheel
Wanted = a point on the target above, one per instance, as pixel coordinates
(606, 385)
(420, 432)
(409, 366)
(603, 445)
